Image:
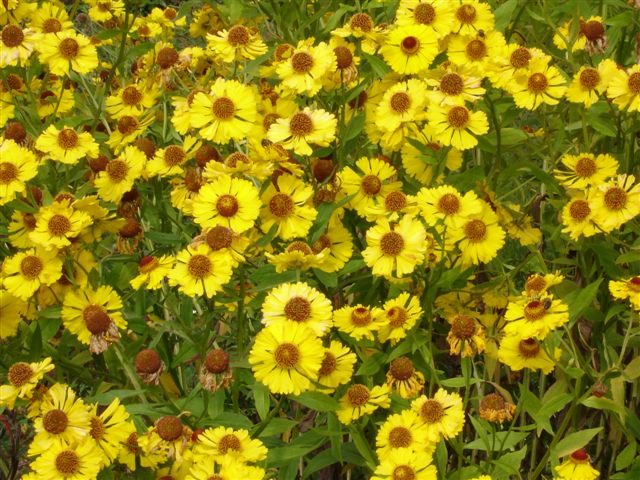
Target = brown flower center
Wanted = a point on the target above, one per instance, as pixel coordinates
(431, 411)
(395, 201)
(199, 266)
(615, 198)
(8, 172)
(344, 57)
(12, 35)
(223, 108)
(520, 58)
(131, 444)
(227, 205)
(476, 49)
(269, 119)
(634, 284)
(403, 472)
(192, 180)
(451, 84)
(463, 327)
(535, 283)
(424, 14)
(51, 25)
(580, 456)
(534, 310)
(58, 225)
(236, 158)
(401, 368)
(217, 361)
(579, 210)
(397, 316)
(371, 185)
(55, 421)
(449, 204)
(281, 205)
(238, 36)
(537, 83)
(585, 167)
(634, 83)
(67, 463)
(391, 244)
(98, 429)
(169, 428)
(283, 51)
(362, 22)
(131, 96)
(219, 237)
(466, 14)
(301, 124)
(127, 125)
(400, 437)
(96, 319)
(458, 117)
(320, 244)
(69, 48)
(358, 395)
(400, 102)
(475, 230)
(14, 131)
(117, 170)
(592, 29)
(167, 56)
(67, 139)
(148, 361)
(328, 366)
(298, 309)
(29, 221)
(360, 316)
(589, 78)
(302, 62)
(529, 347)
(286, 355)
(493, 401)
(410, 45)
(19, 374)
(31, 266)
(229, 442)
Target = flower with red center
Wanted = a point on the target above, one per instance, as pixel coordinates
(152, 271)
(17, 44)
(627, 289)
(577, 466)
(409, 49)
(358, 321)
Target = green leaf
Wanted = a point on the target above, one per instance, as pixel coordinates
(579, 300)
(327, 279)
(626, 456)
(262, 399)
(603, 404)
(508, 440)
(363, 446)
(509, 463)
(372, 364)
(574, 441)
(632, 371)
(325, 210)
(277, 426)
(379, 68)
(503, 14)
(317, 401)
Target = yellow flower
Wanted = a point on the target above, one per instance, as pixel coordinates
(404, 379)
(337, 242)
(404, 102)
(448, 205)
(538, 284)
(456, 125)
(305, 68)
(67, 50)
(494, 408)
(57, 224)
(541, 83)
(11, 311)
(23, 379)
(50, 18)
(7, 108)
(225, 241)
(576, 467)
(369, 183)
(479, 237)
(300, 303)
(131, 100)
(120, 174)
(103, 11)
(128, 130)
(79, 461)
(57, 99)
(205, 468)
(466, 337)
(94, 316)
(437, 15)
(615, 202)
(226, 113)
(476, 52)
(224, 444)
(535, 318)
(409, 49)
(454, 85)
(624, 88)
(237, 44)
(336, 368)
(443, 415)
(358, 321)
(400, 315)
(286, 357)
(589, 83)
(401, 433)
(395, 250)
(110, 429)
(586, 170)
(472, 16)
(512, 63)
(168, 161)
(518, 353)
(152, 271)
(66, 145)
(297, 255)
(17, 45)
(361, 26)
(420, 162)
(578, 218)
(18, 165)
(627, 289)
(200, 271)
(25, 272)
(317, 127)
(360, 400)
(63, 420)
(284, 204)
(405, 465)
